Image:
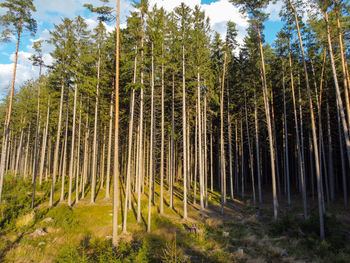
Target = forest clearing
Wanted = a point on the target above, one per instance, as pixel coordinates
(162, 140)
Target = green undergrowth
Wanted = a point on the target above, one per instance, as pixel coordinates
(83, 233)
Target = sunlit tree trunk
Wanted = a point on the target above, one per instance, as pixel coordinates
(314, 134)
(44, 143)
(72, 151)
(57, 147)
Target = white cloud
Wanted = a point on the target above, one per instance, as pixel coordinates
(23, 74)
(274, 10)
(223, 11)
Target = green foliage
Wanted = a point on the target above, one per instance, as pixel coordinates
(18, 16)
(63, 216)
(171, 253)
(100, 251)
(16, 201)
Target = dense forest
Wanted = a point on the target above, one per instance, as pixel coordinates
(166, 116)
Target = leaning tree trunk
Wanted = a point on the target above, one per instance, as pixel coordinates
(338, 94)
(269, 128)
(314, 134)
(8, 119)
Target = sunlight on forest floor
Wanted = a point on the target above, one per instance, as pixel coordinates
(242, 234)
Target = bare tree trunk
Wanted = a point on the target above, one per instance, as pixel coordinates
(77, 170)
(131, 127)
(72, 151)
(195, 157)
(64, 159)
(162, 143)
(184, 129)
(116, 144)
(346, 80)
(269, 128)
(19, 150)
(171, 184)
(25, 173)
(314, 134)
(250, 152)
(55, 161)
(286, 137)
(8, 118)
(86, 157)
(339, 99)
(44, 143)
(109, 157)
(94, 155)
(222, 142)
(205, 151)
(150, 182)
(330, 156)
(229, 143)
(344, 175)
(257, 147)
(36, 147)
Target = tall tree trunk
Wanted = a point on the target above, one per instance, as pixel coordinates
(64, 156)
(184, 129)
(229, 143)
(57, 147)
(131, 127)
(19, 150)
(171, 184)
(86, 158)
(330, 155)
(44, 143)
(269, 127)
(36, 147)
(150, 182)
(344, 175)
(116, 144)
(313, 125)
(25, 173)
(8, 118)
(250, 152)
(257, 148)
(346, 79)
(162, 142)
(77, 170)
(286, 137)
(72, 151)
(222, 142)
(95, 148)
(108, 176)
(338, 94)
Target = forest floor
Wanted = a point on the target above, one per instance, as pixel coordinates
(243, 234)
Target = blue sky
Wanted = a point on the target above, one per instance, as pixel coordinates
(50, 12)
